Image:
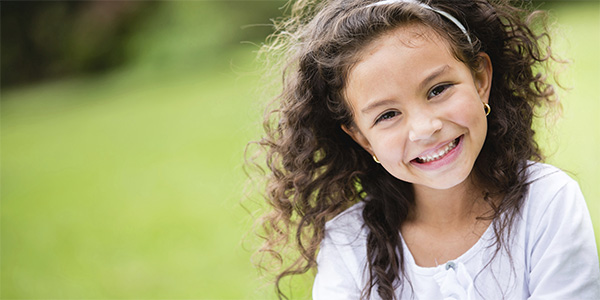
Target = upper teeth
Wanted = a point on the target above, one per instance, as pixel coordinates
(438, 154)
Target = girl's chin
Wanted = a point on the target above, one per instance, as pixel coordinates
(445, 185)
(438, 181)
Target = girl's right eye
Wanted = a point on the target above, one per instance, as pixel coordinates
(436, 91)
(386, 116)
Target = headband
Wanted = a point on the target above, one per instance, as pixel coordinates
(440, 12)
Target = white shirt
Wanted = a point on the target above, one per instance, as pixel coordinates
(553, 250)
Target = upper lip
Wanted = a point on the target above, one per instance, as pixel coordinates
(434, 149)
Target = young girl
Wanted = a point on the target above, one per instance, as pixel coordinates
(402, 160)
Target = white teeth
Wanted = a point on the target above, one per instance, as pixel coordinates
(439, 154)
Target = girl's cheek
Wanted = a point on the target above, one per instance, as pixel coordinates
(466, 112)
(390, 144)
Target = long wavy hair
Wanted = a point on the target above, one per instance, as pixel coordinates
(315, 170)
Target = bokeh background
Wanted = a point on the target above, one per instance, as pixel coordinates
(123, 128)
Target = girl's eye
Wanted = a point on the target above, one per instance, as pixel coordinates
(386, 116)
(438, 90)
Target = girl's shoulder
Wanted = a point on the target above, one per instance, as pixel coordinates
(550, 189)
(538, 171)
(348, 226)
(547, 180)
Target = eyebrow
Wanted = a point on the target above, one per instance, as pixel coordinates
(435, 74)
(376, 104)
(431, 77)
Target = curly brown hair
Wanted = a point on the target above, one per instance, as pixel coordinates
(316, 170)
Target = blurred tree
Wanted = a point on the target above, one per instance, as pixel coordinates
(199, 34)
(42, 39)
(46, 39)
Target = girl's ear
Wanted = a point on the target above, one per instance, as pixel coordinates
(483, 77)
(358, 137)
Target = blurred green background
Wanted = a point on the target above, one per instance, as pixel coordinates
(123, 127)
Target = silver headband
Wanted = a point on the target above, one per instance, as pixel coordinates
(421, 4)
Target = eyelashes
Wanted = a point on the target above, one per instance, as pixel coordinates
(434, 92)
(386, 116)
(438, 90)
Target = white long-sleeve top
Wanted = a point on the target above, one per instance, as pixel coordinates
(552, 246)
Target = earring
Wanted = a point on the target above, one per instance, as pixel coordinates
(375, 159)
(486, 108)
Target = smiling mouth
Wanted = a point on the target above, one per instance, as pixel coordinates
(439, 154)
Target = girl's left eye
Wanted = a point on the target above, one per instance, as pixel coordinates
(386, 116)
(438, 90)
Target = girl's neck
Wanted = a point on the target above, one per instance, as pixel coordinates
(446, 209)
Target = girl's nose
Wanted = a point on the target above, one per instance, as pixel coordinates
(423, 128)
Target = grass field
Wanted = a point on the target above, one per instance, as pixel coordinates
(128, 185)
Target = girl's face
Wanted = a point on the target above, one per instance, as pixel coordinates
(419, 109)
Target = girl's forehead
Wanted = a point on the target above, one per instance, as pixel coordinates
(412, 35)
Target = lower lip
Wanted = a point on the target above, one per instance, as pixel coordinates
(447, 159)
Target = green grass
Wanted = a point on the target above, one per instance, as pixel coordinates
(124, 188)
(575, 144)
(128, 185)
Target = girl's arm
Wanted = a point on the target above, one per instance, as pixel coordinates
(334, 280)
(563, 256)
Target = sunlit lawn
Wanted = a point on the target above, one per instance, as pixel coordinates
(128, 185)
(119, 187)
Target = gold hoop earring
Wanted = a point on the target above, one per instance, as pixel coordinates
(375, 159)
(487, 109)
